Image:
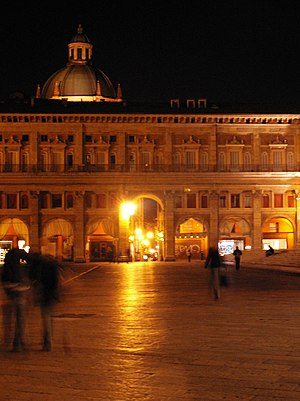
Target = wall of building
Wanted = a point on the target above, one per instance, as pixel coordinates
(65, 174)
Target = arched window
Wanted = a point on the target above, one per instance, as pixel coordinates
(159, 161)
(204, 161)
(25, 161)
(176, 161)
(70, 161)
(247, 162)
(221, 161)
(44, 161)
(264, 161)
(290, 161)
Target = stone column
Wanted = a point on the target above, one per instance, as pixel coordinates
(35, 229)
(257, 228)
(169, 232)
(214, 219)
(79, 229)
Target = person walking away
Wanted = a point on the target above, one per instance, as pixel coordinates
(44, 272)
(237, 256)
(213, 262)
(16, 284)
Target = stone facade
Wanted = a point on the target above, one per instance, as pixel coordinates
(65, 174)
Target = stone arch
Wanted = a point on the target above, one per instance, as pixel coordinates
(100, 239)
(58, 238)
(191, 234)
(234, 231)
(279, 232)
(12, 230)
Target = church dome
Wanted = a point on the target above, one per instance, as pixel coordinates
(79, 80)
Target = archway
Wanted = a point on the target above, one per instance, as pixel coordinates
(191, 235)
(279, 233)
(13, 233)
(57, 239)
(234, 231)
(146, 229)
(100, 242)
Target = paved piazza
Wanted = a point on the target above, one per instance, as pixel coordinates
(152, 332)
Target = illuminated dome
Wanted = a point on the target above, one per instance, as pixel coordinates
(79, 80)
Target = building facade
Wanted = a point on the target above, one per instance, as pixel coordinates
(193, 174)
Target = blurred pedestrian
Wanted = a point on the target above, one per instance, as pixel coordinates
(16, 284)
(237, 256)
(213, 262)
(44, 273)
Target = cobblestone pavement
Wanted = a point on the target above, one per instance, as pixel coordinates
(152, 332)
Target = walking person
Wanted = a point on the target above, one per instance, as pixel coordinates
(213, 262)
(237, 256)
(189, 255)
(44, 273)
(16, 284)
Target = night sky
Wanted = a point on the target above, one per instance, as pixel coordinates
(227, 52)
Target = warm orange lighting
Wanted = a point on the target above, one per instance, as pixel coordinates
(127, 210)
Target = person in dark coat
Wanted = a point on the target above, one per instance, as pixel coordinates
(237, 256)
(213, 262)
(16, 284)
(44, 273)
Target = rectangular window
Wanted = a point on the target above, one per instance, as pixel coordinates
(101, 201)
(204, 201)
(291, 201)
(131, 139)
(191, 200)
(70, 138)
(190, 159)
(25, 138)
(266, 201)
(44, 138)
(277, 160)
(247, 200)
(278, 200)
(56, 201)
(235, 201)
(11, 201)
(112, 139)
(44, 200)
(234, 160)
(222, 201)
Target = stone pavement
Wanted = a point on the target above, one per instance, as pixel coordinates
(150, 331)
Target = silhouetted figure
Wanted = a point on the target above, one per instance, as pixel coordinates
(237, 256)
(16, 284)
(189, 255)
(213, 262)
(270, 251)
(44, 273)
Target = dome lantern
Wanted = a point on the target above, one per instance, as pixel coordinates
(79, 80)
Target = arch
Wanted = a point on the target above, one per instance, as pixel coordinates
(279, 232)
(191, 235)
(12, 230)
(58, 238)
(100, 239)
(234, 231)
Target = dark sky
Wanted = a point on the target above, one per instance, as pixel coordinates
(225, 51)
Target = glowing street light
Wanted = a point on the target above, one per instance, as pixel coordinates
(127, 210)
